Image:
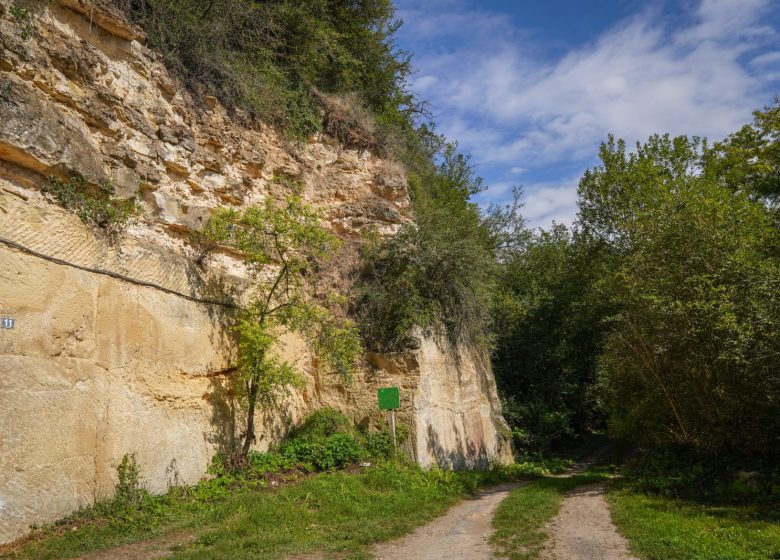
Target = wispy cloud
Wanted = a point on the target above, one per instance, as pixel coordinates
(514, 109)
(548, 203)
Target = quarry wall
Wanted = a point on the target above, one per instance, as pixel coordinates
(121, 345)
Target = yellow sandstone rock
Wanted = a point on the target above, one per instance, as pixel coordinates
(122, 347)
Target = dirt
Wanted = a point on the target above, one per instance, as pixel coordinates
(583, 529)
(160, 547)
(463, 532)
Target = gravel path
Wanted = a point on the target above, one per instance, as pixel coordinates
(462, 533)
(583, 529)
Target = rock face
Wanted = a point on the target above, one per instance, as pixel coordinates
(121, 347)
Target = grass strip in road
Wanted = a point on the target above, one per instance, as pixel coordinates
(660, 528)
(520, 519)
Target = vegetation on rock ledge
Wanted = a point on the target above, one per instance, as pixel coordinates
(95, 205)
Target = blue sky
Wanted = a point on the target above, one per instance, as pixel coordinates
(530, 89)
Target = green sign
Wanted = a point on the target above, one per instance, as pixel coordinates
(389, 398)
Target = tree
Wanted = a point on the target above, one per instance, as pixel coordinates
(548, 323)
(438, 271)
(749, 160)
(280, 246)
(692, 352)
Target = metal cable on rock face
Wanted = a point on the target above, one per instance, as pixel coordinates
(112, 274)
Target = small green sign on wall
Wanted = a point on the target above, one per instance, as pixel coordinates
(389, 398)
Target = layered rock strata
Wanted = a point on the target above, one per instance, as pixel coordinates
(121, 346)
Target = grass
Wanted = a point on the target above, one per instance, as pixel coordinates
(338, 513)
(660, 528)
(343, 514)
(520, 519)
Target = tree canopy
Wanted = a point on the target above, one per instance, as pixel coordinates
(659, 312)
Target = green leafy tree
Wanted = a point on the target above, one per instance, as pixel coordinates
(548, 327)
(749, 160)
(438, 271)
(691, 356)
(281, 245)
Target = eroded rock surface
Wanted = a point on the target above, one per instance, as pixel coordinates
(122, 347)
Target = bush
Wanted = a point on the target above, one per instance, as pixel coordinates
(95, 205)
(321, 424)
(379, 445)
(436, 273)
(333, 452)
(686, 473)
(270, 462)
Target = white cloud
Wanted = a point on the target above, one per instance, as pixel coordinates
(766, 59)
(513, 109)
(547, 203)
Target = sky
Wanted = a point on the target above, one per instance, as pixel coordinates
(531, 88)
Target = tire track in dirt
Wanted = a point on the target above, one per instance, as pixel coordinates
(583, 529)
(463, 532)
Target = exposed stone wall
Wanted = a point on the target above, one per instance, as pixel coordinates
(121, 347)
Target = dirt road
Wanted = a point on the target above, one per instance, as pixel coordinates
(461, 533)
(583, 529)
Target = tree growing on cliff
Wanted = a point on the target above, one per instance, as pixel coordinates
(281, 245)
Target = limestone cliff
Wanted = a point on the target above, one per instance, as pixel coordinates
(121, 346)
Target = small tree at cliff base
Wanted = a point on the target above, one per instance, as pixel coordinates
(281, 245)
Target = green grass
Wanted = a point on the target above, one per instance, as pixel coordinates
(660, 528)
(337, 513)
(520, 519)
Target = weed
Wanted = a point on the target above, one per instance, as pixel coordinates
(128, 489)
(23, 17)
(288, 181)
(95, 205)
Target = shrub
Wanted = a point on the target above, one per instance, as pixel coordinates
(270, 462)
(128, 489)
(333, 452)
(96, 205)
(347, 119)
(436, 273)
(321, 424)
(686, 473)
(379, 445)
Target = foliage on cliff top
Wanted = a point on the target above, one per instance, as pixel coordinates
(266, 58)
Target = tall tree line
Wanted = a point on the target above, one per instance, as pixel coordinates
(657, 315)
